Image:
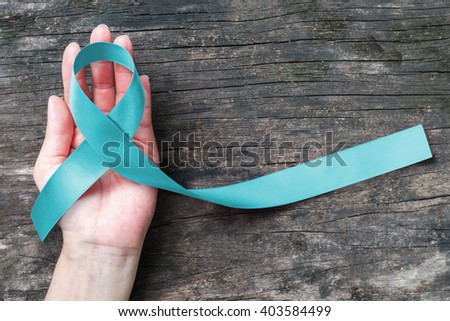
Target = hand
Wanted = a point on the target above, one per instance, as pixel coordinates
(108, 224)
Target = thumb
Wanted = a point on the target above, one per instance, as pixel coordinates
(58, 138)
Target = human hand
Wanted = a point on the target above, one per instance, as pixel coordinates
(108, 224)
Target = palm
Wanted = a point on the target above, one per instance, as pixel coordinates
(114, 212)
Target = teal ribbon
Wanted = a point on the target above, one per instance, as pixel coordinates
(86, 164)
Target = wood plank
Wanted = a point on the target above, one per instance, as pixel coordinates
(233, 71)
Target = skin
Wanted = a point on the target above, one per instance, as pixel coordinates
(103, 232)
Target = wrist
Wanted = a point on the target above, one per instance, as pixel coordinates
(94, 272)
(76, 249)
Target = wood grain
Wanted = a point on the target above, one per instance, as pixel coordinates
(236, 71)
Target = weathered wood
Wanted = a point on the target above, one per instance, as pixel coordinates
(231, 71)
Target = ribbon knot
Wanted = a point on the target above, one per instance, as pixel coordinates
(87, 163)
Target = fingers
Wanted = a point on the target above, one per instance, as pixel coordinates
(102, 73)
(67, 64)
(57, 142)
(145, 135)
(69, 55)
(109, 83)
(121, 74)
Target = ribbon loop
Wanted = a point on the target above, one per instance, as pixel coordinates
(88, 162)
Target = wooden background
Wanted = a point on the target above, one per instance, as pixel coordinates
(232, 70)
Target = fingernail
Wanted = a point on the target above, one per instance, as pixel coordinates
(147, 77)
(73, 45)
(51, 106)
(121, 36)
(102, 25)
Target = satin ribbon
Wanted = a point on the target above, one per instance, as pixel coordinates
(84, 166)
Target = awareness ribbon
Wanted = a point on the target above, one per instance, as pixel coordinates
(87, 163)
